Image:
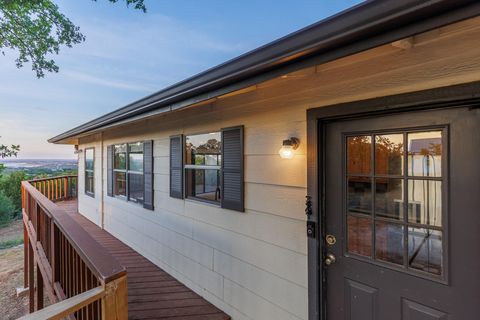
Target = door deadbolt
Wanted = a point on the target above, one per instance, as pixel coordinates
(330, 239)
(330, 259)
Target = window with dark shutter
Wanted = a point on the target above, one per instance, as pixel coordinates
(110, 171)
(232, 169)
(130, 172)
(176, 166)
(148, 174)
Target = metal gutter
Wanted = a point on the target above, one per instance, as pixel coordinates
(359, 28)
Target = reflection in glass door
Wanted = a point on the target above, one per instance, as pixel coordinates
(394, 199)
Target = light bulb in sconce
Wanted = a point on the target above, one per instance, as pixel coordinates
(287, 151)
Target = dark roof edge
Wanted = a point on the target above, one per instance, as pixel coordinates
(333, 37)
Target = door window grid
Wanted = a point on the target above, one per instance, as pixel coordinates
(382, 171)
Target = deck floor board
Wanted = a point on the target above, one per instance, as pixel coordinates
(152, 293)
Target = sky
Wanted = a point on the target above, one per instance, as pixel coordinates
(129, 54)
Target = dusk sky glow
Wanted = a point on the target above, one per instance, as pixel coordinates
(128, 54)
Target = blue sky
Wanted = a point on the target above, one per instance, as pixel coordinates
(129, 54)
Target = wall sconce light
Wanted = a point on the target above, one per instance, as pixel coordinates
(287, 151)
(77, 150)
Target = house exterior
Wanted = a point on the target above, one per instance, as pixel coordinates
(370, 217)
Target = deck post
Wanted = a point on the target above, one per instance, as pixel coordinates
(25, 256)
(115, 301)
(31, 291)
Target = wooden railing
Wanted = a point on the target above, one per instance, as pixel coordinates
(57, 188)
(81, 279)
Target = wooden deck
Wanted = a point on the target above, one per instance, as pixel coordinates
(152, 293)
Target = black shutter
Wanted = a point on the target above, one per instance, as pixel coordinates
(176, 166)
(148, 174)
(232, 169)
(110, 171)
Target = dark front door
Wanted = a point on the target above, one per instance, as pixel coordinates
(402, 204)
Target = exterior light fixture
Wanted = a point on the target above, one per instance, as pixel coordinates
(287, 151)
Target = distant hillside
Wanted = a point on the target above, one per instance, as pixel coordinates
(36, 167)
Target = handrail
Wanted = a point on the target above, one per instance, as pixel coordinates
(52, 178)
(98, 259)
(66, 307)
(68, 260)
(57, 188)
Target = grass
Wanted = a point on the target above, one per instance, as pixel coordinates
(11, 271)
(11, 243)
(11, 234)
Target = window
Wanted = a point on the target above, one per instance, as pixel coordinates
(203, 163)
(89, 172)
(128, 170)
(394, 211)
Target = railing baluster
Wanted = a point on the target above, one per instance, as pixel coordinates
(65, 184)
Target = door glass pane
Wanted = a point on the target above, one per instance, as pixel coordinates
(359, 155)
(425, 154)
(389, 198)
(389, 242)
(389, 154)
(359, 236)
(425, 202)
(360, 195)
(425, 250)
(394, 198)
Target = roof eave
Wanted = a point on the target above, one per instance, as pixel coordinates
(365, 26)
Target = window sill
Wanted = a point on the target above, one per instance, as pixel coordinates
(90, 194)
(125, 199)
(202, 201)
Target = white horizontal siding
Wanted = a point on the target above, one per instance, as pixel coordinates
(267, 241)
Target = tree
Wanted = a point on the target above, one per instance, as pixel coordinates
(37, 29)
(10, 186)
(7, 209)
(6, 151)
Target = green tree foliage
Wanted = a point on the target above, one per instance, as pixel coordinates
(37, 29)
(10, 186)
(8, 151)
(7, 209)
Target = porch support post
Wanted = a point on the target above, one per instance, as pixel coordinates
(25, 256)
(115, 301)
(31, 291)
